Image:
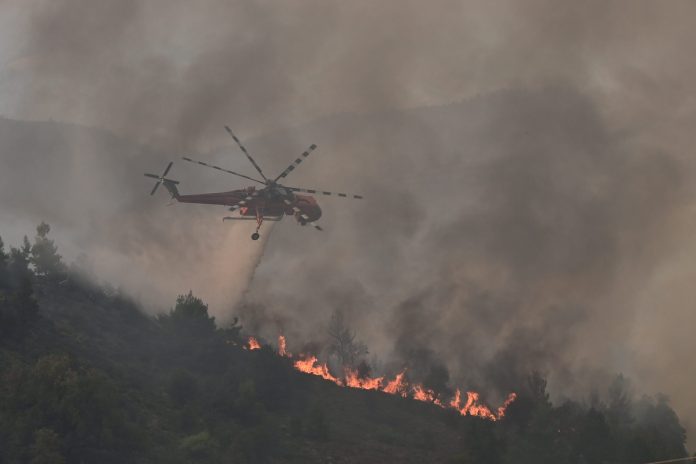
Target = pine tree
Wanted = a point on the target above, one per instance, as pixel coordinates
(25, 249)
(4, 257)
(18, 307)
(18, 265)
(190, 315)
(44, 253)
(47, 447)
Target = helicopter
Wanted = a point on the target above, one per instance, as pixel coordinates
(271, 202)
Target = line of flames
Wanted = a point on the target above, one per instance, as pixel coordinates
(309, 364)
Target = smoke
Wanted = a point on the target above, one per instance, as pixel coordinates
(522, 253)
(89, 186)
(525, 165)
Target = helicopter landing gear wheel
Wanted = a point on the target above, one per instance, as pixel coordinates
(259, 221)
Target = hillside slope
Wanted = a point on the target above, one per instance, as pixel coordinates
(86, 377)
(116, 386)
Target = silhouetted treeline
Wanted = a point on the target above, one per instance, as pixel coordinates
(85, 376)
(620, 429)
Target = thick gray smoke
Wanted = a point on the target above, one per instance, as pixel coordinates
(526, 165)
(516, 244)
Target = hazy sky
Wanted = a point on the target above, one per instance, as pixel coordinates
(528, 168)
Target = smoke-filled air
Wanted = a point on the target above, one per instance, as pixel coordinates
(527, 170)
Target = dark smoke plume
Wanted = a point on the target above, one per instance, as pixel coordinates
(526, 165)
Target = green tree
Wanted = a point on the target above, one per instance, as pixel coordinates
(26, 247)
(537, 438)
(190, 315)
(231, 333)
(44, 253)
(4, 261)
(199, 447)
(258, 443)
(46, 448)
(3, 256)
(18, 308)
(182, 387)
(247, 403)
(532, 401)
(18, 265)
(481, 444)
(658, 430)
(82, 405)
(620, 402)
(593, 440)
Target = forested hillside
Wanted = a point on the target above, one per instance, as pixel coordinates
(85, 376)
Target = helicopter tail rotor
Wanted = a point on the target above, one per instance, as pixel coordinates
(168, 183)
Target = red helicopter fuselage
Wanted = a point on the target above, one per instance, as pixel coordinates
(263, 206)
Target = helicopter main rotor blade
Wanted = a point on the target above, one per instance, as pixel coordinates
(246, 153)
(316, 192)
(296, 163)
(220, 169)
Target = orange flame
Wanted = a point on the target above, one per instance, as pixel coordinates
(254, 344)
(311, 366)
(282, 351)
(501, 410)
(366, 383)
(423, 394)
(474, 408)
(456, 401)
(397, 386)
